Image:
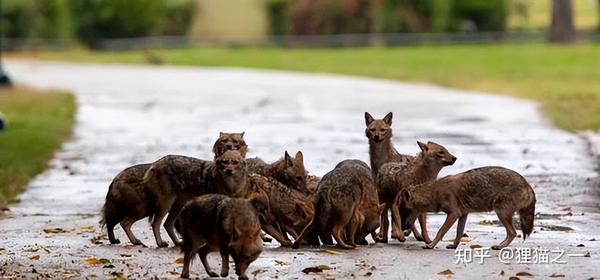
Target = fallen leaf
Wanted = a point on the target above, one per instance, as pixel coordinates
(117, 276)
(524, 273)
(104, 261)
(97, 239)
(333, 252)
(257, 272)
(514, 278)
(368, 273)
(554, 275)
(109, 266)
(36, 257)
(91, 261)
(179, 261)
(281, 262)
(88, 228)
(502, 273)
(446, 272)
(587, 255)
(55, 230)
(485, 222)
(580, 245)
(316, 269)
(475, 246)
(593, 239)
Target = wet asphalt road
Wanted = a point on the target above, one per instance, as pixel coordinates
(135, 114)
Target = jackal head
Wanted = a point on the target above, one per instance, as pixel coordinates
(293, 173)
(435, 154)
(231, 163)
(245, 247)
(230, 142)
(378, 130)
(409, 204)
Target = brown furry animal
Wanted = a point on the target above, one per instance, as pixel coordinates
(393, 177)
(381, 149)
(127, 202)
(478, 190)
(337, 204)
(218, 223)
(292, 210)
(288, 171)
(230, 142)
(175, 179)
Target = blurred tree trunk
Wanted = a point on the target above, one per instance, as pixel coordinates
(598, 7)
(562, 29)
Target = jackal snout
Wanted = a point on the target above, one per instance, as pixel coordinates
(437, 153)
(378, 130)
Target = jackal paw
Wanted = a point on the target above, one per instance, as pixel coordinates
(363, 242)
(115, 241)
(136, 242)
(497, 247)
(243, 277)
(213, 274)
(346, 247)
(163, 244)
(452, 246)
(287, 244)
(185, 275)
(429, 246)
(224, 274)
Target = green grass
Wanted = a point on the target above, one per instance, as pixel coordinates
(564, 79)
(38, 124)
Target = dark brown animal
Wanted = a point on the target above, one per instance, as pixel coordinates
(176, 179)
(381, 149)
(394, 176)
(337, 204)
(127, 202)
(292, 210)
(477, 190)
(230, 142)
(218, 223)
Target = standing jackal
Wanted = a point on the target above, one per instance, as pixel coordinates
(337, 204)
(381, 149)
(175, 179)
(287, 170)
(218, 223)
(127, 201)
(478, 190)
(395, 176)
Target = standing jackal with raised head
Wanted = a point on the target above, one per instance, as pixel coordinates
(395, 176)
(497, 189)
(381, 149)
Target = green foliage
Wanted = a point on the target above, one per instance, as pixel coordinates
(16, 18)
(178, 16)
(38, 124)
(116, 18)
(489, 15)
(52, 20)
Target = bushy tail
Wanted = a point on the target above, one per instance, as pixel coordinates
(110, 210)
(310, 226)
(526, 216)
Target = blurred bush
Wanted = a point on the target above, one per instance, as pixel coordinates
(304, 17)
(91, 20)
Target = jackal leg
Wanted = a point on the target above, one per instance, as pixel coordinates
(224, 261)
(397, 223)
(460, 229)
(126, 225)
(506, 219)
(338, 235)
(450, 220)
(187, 259)
(424, 236)
(156, 222)
(202, 253)
(110, 228)
(171, 218)
(382, 236)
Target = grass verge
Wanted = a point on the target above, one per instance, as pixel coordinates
(38, 123)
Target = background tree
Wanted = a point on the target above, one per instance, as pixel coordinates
(562, 29)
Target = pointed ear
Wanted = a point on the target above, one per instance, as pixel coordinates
(380, 209)
(242, 134)
(423, 146)
(288, 159)
(388, 118)
(299, 157)
(368, 118)
(221, 134)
